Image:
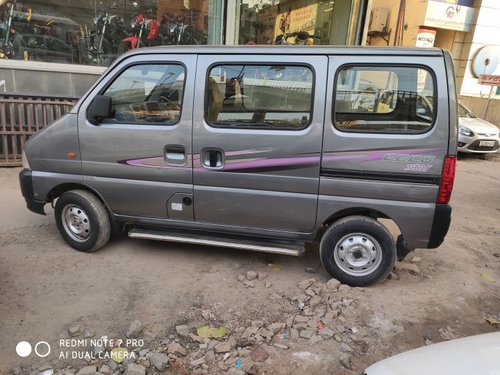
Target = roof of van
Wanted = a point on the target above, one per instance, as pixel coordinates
(296, 50)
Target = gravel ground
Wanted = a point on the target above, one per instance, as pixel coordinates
(284, 323)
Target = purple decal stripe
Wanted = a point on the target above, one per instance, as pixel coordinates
(374, 155)
(196, 157)
(152, 162)
(272, 164)
(253, 164)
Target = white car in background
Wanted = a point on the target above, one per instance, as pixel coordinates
(474, 355)
(476, 135)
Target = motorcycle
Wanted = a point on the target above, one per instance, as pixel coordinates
(177, 30)
(146, 33)
(100, 44)
(10, 45)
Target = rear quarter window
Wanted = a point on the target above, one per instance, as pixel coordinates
(384, 99)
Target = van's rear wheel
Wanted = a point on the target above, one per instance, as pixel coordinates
(82, 220)
(358, 251)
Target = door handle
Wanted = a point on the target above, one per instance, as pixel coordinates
(175, 155)
(212, 158)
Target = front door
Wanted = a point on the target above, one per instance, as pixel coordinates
(139, 161)
(257, 134)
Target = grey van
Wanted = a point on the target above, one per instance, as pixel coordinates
(260, 148)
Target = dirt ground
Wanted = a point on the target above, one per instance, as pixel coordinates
(46, 287)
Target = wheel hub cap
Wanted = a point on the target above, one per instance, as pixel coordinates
(76, 223)
(358, 254)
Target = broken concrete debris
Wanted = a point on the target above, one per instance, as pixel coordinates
(316, 313)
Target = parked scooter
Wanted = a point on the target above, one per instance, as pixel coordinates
(145, 32)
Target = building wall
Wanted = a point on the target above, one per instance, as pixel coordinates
(463, 46)
(486, 31)
(414, 17)
(477, 105)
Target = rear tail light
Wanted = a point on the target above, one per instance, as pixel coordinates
(447, 179)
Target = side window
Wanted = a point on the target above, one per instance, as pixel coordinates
(148, 94)
(383, 99)
(259, 96)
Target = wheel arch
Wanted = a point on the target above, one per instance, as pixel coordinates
(117, 226)
(361, 211)
(60, 189)
(82, 219)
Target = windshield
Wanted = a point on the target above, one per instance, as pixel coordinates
(464, 112)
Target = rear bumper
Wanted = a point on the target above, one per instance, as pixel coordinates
(440, 225)
(26, 182)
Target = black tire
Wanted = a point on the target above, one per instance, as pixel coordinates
(18, 47)
(358, 251)
(82, 220)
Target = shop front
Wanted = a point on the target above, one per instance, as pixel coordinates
(303, 22)
(95, 32)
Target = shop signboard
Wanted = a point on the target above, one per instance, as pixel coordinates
(490, 80)
(450, 14)
(425, 38)
(297, 20)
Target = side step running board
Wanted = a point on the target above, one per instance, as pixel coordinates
(244, 244)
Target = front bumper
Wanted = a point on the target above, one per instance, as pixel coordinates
(440, 225)
(473, 144)
(26, 182)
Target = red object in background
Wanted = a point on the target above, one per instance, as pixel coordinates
(154, 29)
(145, 33)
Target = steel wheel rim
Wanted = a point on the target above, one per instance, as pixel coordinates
(357, 254)
(76, 223)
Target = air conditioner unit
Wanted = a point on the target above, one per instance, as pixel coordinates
(378, 20)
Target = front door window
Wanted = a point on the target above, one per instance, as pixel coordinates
(148, 94)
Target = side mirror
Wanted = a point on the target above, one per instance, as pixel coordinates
(99, 109)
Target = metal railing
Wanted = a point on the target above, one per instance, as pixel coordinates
(21, 117)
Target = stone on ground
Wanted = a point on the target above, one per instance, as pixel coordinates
(135, 329)
(259, 354)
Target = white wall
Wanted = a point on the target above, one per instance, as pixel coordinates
(477, 106)
(486, 31)
(414, 17)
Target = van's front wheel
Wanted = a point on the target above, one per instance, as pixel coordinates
(358, 251)
(82, 220)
